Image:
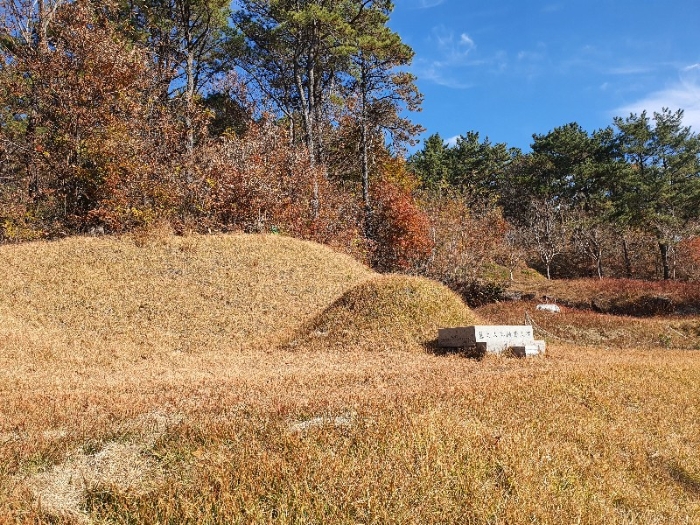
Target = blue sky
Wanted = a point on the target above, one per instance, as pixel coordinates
(511, 68)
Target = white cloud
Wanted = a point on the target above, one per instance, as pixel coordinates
(452, 141)
(451, 55)
(683, 94)
(465, 40)
(426, 4)
(532, 56)
(630, 70)
(440, 76)
(451, 50)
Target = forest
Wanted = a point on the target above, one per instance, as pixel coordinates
(293, 117)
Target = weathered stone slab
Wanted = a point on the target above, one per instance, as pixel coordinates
(491, 338)
(529, 350)
(470, 335)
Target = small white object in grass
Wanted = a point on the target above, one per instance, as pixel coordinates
(553, 308)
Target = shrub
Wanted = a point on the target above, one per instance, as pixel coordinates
(261, 183)
(463, 242)
(398, 229)
(688, 255)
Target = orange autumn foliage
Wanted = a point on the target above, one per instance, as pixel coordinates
(261, 183)
(400, 231)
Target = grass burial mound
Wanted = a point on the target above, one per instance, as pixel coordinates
(110, 298)
(387, 311)
(143, 380)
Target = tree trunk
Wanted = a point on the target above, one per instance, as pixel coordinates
(364, 156)
(364, 146)
(39, 31)
(306, 118)
(626, 255)
(190, 103)
(663, 248)
(189, 94)
(307, 121)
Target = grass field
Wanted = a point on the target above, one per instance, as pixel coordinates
(259, 379)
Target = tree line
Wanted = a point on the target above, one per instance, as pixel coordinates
(289, 116)
(274, 116)
(623, 201)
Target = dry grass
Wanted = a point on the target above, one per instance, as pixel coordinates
(616, 296)
(139, 296)
(389, 311)
(603, 331)
(239, 430)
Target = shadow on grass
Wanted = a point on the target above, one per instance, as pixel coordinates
(469, 352)
(685, 479)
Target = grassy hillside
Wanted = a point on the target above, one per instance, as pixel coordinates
(259, 379)
(137, 296)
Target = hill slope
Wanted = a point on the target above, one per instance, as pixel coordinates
(102, 420)
(99, 296)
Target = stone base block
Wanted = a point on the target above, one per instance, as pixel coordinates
(529, 350)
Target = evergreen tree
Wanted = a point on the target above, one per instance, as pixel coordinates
(432, 163)
(477, 168)
(310, 57)
(184, 37)
(660, 189)
(296, 52)
(381, 90)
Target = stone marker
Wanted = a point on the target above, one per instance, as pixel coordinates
(493, 339)
(553, 308)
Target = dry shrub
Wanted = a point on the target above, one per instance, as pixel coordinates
(688, 253)
(635, 255)
(398, 229)
(84, 154)
(391, 311)
(465, 243)
(260, 183)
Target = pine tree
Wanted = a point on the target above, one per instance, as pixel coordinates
(660, 189)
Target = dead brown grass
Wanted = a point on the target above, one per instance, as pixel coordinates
(605, 331)
(230, 432)
(616, 296)
(388, 311)
(110, 298)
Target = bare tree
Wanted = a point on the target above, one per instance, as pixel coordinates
(547, 230)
